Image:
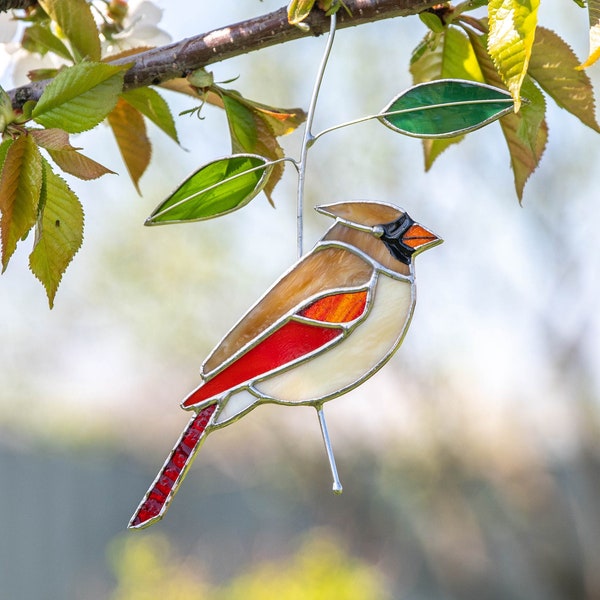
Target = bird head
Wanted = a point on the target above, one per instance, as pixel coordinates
(402, 236)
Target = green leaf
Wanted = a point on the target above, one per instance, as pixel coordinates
(38, 38)
(20, 185)
(432, 21)
(526, 132)
(298, 10)
(594, 35)
(242, 125)
(80, 97)
(281, 121)
(75, 19)
(59, 232)
(7, 114)
(554, 66)
(4, 146)
(217, 188)
(254, 129)
(152, 105)
(512, 25)
(129, 130)
(446, 108)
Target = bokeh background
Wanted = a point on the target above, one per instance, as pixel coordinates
(471, 463)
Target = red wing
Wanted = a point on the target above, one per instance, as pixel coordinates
(286, 344)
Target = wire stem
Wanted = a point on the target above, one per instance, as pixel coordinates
(309, 138)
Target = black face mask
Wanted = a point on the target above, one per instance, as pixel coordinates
(392, 238)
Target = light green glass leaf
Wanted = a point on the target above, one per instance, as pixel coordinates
(446, 108)
(512, 25)
(217, 188)
(79, 97)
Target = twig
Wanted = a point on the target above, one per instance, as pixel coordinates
(179, 59)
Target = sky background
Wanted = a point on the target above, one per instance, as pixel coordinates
(131, 312)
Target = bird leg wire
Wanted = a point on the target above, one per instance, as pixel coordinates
(301, 166)
(337, 484)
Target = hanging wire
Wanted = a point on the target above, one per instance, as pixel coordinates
(309, 137)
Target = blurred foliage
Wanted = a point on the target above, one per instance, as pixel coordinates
(148, 567)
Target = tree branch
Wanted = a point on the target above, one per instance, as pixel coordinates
(158, 65)
(6, 5)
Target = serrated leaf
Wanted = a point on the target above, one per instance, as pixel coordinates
(180, 85)
(75, 19)
(4, 146)
(38, 38)
(59, 232)
(554, 66)
(525, 144)
(41, 74)
(439, 56)
(281, 121)
(7, 114)
(432, 21)
(79, 165)
(252, 132)
(242, 126)
(217, 188)
(512, 25)
(20, 185)
(445, 108)
(152, 105)
(594, 35)
(80, 97)
(56, 143)
(51, 139)
(129, 130)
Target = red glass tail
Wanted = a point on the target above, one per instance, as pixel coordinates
(158, 497)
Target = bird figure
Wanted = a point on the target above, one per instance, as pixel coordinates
(327, 325)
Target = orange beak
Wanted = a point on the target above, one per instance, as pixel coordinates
(419, 238)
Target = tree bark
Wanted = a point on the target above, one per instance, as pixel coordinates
(158, 65)
(6, 5)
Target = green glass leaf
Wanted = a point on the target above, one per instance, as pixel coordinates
(217, 188)
(445, 108)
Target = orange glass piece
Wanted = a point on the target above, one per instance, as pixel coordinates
(338, 308)
(417, 235)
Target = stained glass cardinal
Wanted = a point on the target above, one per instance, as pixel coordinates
(323, 328)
